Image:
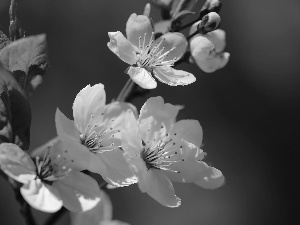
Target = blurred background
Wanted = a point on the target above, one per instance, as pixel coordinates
(249, 111)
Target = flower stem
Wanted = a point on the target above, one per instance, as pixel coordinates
(15, 31)
(126, 91)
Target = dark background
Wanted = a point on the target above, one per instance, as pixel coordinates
(249, 110)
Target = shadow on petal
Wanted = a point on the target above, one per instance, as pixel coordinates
(79, 192)
(16, 163)
(100, 213)
(159, 187)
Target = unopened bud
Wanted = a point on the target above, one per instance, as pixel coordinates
(147, 10)
(210, 6)
(209, 22)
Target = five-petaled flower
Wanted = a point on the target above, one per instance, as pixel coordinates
(161, 150)
(147, 56)
(49, 181)
(207, 50)
(94, 137)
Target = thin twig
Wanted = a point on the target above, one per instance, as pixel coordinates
(15, 31)
(126, 91)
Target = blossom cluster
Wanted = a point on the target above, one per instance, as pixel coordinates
(150, 149)
(148, 55)
(125, 146)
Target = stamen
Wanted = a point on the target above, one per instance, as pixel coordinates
(157, 154)
(95, 136)
(51, 169)
(150, 56)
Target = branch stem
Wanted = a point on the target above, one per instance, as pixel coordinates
(127, 91)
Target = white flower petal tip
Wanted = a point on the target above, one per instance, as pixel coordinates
(173, 77)
(41, 197)
(214, 181)
(141, 77)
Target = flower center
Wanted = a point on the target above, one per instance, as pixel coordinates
(159, 154)
(97, 135)
(49, 170)
(151, 56)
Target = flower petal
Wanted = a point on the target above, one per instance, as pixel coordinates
(187, 131)
(214, 62)
(41, 196)
(201, 46)
(122, 47)
(89, 101)
(141, 77)
(214, 180)
(131, 141)
(171, 40)
(100, 213)
(173, 77)
(154, 114)
(79, 192)
(186, 136)
(16, 163)
(116, 111)
(217, 37)
(118, 172)
(154, 182)
(159, 187)
(139, 26)
(74, 151)
(65, 126)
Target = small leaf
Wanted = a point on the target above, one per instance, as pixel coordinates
(4, 40)
(15, 113)
(180, 5)
(26, 58)
(182, 14)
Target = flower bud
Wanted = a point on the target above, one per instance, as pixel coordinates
(209, 22)
(210, 6)
(147, 10)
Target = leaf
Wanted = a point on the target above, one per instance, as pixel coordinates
(3, 40)
(182, 14)
(180, 5)
(26, 58)
(15, 113)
